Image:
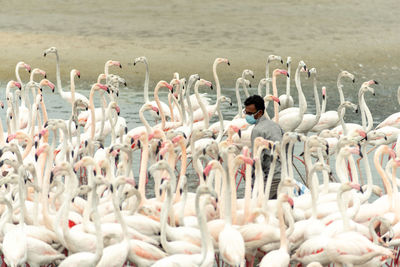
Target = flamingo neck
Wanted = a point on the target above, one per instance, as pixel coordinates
(275, 93)
(146, 83)
(269, 180)
(216, 79)
(317, 103)
(342, 208)
(282, 227)
(267, 88)
(239, 101)
(382, 173)
(288, 82)
(159, 106)
(202, 106)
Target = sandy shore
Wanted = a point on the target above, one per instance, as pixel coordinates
(186, 36)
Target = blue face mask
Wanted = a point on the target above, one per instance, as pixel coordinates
(250, 119)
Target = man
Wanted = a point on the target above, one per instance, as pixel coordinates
(254, 110)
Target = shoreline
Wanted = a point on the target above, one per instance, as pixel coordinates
(88, 55)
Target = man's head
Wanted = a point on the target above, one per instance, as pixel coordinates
(254, 105)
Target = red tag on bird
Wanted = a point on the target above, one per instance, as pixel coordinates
(71, 224)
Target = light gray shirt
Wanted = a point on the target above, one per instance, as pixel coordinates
(268, 130)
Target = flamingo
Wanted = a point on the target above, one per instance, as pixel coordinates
(330, 119)
(287, 99)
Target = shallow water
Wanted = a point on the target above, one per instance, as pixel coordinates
(131, 99)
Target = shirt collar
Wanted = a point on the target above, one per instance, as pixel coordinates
(260, 119)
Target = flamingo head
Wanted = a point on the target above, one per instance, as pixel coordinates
(43, 73)
(272, 98)
(15, 84)
(179, 138)
(50, 50)
(118, 110)
(155, 109)
(274, 57)
(27, 67)
(236, 129)
(114, 63)
(280, 71)
(207, 170)
(102, 87)
(139, 59)
(347, 74)
(222, 60)
(288, 61)
(165, 84)
(312, 71)
(323, 92)
(41, 149)
(45, 82)
(303, 66)
(77, 73)
(43, 132)
(248, 72)
(11, 137)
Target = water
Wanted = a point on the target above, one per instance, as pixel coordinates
(131, 99)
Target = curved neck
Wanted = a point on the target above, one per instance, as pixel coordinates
(282, 227)
(342, 208)
(202, 106)
(341, 168)
(146, 83)
(267, 78)
(368, 192)
(302, 99)
(365, 112)
(183, 167)
(317, 103)
(324, 100)
(275, 93)
(221, 124)
(382, 173)
(269, 179)
(189, 104)
(288, 81)
(216, 79)
(207, 247)
(341, 119)
(92, 112)
(313, 184)
(72, 90)
(144, 121)
(119, 216)
(159, 106)
(239, 101)
(340, 88)
(164, 220)
(246, 92)
(58, 74)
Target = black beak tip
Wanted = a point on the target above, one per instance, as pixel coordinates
(229, 63)
(376, 82)
(281, 61)
(240, 133)
(211, 87)
(354, 80)
(79, 76)
(288, 75)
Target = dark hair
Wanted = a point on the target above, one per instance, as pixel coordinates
(257, 100)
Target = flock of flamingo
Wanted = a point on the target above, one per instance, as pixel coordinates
(69, 196)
